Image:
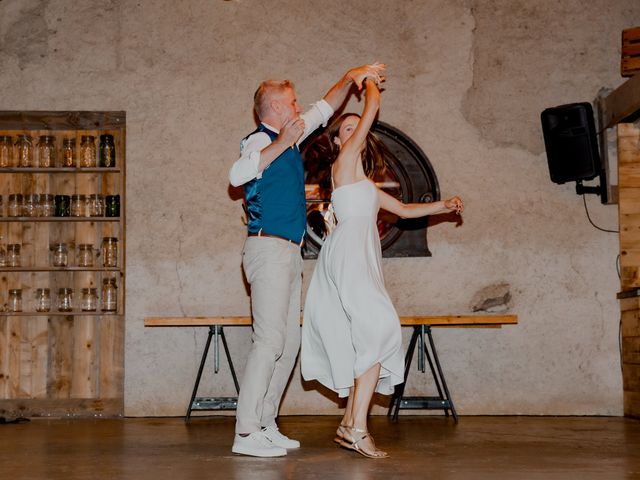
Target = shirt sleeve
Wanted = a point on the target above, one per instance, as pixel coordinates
(245, 168)
(319, 114)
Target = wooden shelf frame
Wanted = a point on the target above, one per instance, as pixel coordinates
(62, 363)
(621, 108)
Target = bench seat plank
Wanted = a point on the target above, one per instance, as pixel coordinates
(433, 320)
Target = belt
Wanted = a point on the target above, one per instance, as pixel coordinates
(268, 235)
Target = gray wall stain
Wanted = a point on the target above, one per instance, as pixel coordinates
(24, 32)
(528, 56)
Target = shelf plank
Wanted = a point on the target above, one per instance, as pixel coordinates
(63, 407)
(59, 269)
(58, 219)
(59, 170)
(52, 313)
(68, 120)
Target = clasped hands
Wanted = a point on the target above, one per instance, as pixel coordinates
(373, 72)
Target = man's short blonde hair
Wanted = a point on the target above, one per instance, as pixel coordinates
(264, 95)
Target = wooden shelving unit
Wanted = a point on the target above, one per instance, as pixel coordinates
(62, 363)
(621, 108)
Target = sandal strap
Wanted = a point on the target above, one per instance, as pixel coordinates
(355, 442)
(355, 429)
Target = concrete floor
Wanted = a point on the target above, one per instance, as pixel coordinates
(420, 447)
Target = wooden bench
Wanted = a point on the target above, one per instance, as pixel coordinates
(422, 326)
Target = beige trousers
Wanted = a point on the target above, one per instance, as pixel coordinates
(274, 270)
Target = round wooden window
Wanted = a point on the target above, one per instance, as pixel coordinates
(408, 176)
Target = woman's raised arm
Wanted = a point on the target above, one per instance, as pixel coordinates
(353, 146)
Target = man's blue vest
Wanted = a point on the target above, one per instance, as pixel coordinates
(276, 202)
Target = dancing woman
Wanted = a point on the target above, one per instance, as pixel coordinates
(351, 339)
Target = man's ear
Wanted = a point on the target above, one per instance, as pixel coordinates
(275, 106)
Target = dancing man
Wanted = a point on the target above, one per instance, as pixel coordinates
(270, 168)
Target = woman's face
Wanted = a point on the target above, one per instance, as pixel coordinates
(346, 129)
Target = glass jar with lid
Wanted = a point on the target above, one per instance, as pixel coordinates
(65, 299)
(112, 206)
(30, 205)
(24, 151)
(43, 300)
(14, 301)
(78, 204)
(96, 205)
(59, 255)
(14, 207)
(68, 158)
(47, 151)
(109, 252)
(13, 254)
(107, 151)
(61, 205)
(87, 151)
(6, 151)
(85, 255)
(46, 205)
(109, 301)
(86, 205)
(89, 300)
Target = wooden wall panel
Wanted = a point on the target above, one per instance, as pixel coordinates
(13, 363)
(629, 216)
(4, 357)
(111, 358)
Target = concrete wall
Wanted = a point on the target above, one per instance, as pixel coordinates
(467, 80)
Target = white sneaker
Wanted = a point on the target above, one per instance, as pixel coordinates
(278, 439)
(256, 444)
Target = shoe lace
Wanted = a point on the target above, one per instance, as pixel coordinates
(262, 439)
(274, 432)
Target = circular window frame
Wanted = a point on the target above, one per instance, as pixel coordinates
(418, 183)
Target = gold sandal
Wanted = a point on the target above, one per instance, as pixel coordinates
(352, 443)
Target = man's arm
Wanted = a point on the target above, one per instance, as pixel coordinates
(321, 112)
(245, 168)
(338, 93)
(258, 151)
(287, 138)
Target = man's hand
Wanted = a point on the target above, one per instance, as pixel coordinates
(291, 131)
(373, 71)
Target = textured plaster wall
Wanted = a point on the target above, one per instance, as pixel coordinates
(467, 81)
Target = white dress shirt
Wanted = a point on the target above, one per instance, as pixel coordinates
(245, 168)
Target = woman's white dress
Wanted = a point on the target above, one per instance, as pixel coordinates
(350, 323)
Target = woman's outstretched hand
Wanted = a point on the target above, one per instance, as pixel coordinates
(291, 131)
(454, 204)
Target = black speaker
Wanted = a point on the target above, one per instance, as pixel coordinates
(571, 142)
